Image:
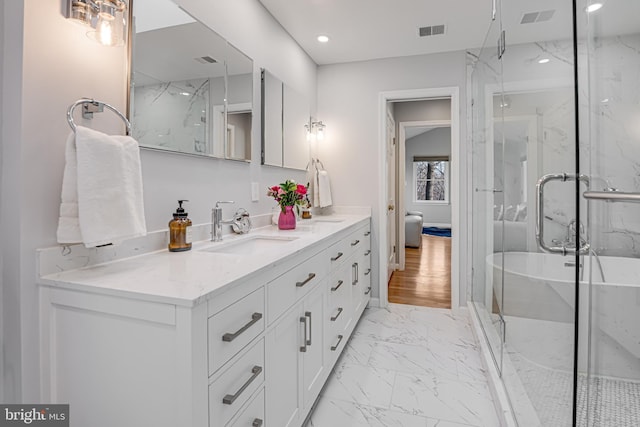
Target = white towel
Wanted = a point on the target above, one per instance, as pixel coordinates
(101, 190)
(314, 188)
(324, 189)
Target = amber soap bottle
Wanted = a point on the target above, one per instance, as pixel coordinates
(180, 230)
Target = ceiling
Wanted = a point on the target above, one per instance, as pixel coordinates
(371, 29)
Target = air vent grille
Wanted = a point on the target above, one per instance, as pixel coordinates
(433, 30)
(206, 60)
(532, 17)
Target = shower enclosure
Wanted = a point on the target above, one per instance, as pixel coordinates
(555, 101)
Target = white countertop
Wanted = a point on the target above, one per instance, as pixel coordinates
(187, 278)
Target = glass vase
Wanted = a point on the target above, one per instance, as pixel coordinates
(287, 219)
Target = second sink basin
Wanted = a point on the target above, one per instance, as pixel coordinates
(251, 246)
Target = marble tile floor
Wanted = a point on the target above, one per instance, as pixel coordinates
(408, 366)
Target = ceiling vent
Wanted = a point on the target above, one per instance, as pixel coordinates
(532, 17)
(434, 30)
(205, 60)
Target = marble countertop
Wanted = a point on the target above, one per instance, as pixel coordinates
(188, 278)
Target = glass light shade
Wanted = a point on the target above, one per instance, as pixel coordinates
(110, 25)
(320, 133)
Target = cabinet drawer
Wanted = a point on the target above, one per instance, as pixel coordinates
(234, 327)
(284, 291)
(251, 416)
(229, 392)
(338, 252)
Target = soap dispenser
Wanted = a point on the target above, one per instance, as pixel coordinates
(180, 230)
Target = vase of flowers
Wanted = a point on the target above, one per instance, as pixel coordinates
(289, 196)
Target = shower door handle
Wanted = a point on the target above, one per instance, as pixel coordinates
(563, 177)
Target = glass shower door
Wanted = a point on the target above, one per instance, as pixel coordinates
(609, 53)
(540, 200)
(486, 291)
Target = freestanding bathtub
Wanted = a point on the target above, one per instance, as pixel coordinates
(542, 286)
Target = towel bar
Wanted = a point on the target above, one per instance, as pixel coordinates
(90, 106)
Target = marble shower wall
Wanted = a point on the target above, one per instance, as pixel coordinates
(612, 138)
(609, 103)
(177, 115)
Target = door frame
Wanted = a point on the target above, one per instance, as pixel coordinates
(402, 169)
(414, 95)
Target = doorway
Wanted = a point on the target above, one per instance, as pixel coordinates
(400, 98)
(423, 276)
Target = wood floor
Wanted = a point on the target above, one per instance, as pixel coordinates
(426, 280)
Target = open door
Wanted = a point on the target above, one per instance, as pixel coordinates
(391, 195)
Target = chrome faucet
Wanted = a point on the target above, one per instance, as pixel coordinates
(575, 233)
(217, 222)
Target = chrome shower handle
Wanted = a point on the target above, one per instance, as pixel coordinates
(540, 216)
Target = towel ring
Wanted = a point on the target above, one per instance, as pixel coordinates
(90, 106)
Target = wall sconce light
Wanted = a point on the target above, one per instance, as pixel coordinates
(107, 18)
(315, 128)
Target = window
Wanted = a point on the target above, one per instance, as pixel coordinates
(431, 179)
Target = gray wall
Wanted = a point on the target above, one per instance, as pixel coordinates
(349, 104)
(436, 142)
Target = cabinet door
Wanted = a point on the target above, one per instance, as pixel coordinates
(283, 349)
(313, 359)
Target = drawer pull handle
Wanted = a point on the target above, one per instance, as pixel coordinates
(308, 314)
(366, 273)
(337, 257)
(230, 398)
(307, 280)
(335, 347)
(303, 347)
(337, 286)
(355, 243)
(368, 252)
(366, 233)
(334, 318)
(257, 423)
(354, 273)
(368, 290)
(228, 337)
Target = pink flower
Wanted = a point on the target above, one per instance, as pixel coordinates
(301, 189)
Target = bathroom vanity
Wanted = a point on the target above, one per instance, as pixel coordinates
(242, 332)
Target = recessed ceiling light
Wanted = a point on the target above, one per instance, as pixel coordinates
(185, 93)
(323, 38)
(593, 7)
(604, 101)
(543, 61)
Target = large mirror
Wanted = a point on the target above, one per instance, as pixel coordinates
(191, 91)
(285, 113)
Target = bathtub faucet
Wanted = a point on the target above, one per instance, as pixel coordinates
(575, 234)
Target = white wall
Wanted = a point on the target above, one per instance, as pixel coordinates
(51, 64)
(348, 103)
(436, 142)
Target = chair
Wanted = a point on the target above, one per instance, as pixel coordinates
(413, 229)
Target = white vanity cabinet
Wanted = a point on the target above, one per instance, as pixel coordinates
(296, 360)
(255, 354)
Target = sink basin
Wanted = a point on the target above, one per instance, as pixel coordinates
(251, 246)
